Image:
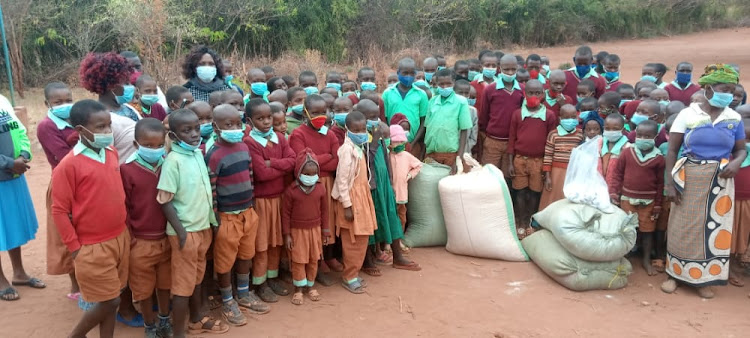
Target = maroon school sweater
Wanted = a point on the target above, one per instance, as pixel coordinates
(556, 107)
(145, 217)
(635, 179)
(677, 94)
(55, 141)
(325, 147)
(529, 136)
(498, 106)
(661, 137)
(742, 184)
(269, 180)
(572, 81)
(303, 211)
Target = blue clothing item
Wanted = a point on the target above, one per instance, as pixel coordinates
(18, 223)
(407, 81)
(648, 78)
(683, 78)
(582, 70)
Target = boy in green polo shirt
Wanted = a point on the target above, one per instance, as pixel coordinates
(446, 124)
(185, 193)
(406, 99)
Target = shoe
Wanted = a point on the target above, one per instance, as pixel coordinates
(705, 292)
(253, 304)
(152, 332)
(232, 313)
(165, 328)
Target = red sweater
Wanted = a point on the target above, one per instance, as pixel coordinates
(498, 106)
(661, 137)
(529, 136)
(556, 108)
(742, 185)
(325, 147)
(572, 81)
(677, 94)
(339, 132)
(611, 87)
(88, 200)
(644, 180)
(479, 87)
(145, 218)
(269, 180)
(303, 211)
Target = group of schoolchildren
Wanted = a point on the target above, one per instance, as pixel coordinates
(218, 199)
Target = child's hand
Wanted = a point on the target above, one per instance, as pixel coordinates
(218, 221)
(181, 236)
(454, 169)
(326, 238)
(547, 183)
(673, 195)
(74, 254)
(19, 166)
(560, 99)
(268, 163)
(655, 215)
(348, 214)
(511, 171)
(288, 242)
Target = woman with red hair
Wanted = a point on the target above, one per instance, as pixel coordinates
(108, 74)
(204, 71)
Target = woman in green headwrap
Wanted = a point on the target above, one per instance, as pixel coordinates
(701, 185)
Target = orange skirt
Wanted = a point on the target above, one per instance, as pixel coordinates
(557, 175)
(269, 223)
(308, 245)
(328, 183)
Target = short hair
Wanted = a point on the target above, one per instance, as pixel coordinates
(332, 73)
(587, 100)
(100, 72)
(612, 58)
(601, 56)
(406, 62)
(584, 51)
(288, 79)
(82, 110)
(177, 118)
(225, 94)
(685, 63)
(252, 104)
(194, 57)
(173, 93)
(533, 57)
(354, 117)
(52, 86)
(276, 107)
(462, 84)
(271, 83)
(143, 78)
(352, 82)
(148, 124)
(519, 59)
(523, 71)
(444, 73)
(267, 69)
(611, 98)
(460, 63)
(660, 68)
(310, 99)
(364, 69)
(128, 54)
(649, 124)
(291, 91)
(483, 52)
(306, 73)
(624, 86)
(499, 54)
(369, 95)
(589, 84)
(618, 117)
(473, 61)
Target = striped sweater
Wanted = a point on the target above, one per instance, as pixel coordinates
(231, 176)
(558, 148)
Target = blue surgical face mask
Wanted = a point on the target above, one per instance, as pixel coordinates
(151, 155)
(624, 101)
(257, 132)
(569, 124)
(472, 102)
(445, 92)
(648, 78)
(206, 129)
(582, 70)
(719, 100)
(582, 115)
(128, 91)
(372, 124)
(297, 109)
(311, 90)
(347, 94)
(489, 72)
(507, 78)
(611, 76)
(62, 111)
(228, 78)
(206, 73)
(406, 81)
(308, 180)
(440, 67)
(612, 135)
(232, 135)
(644, 144)
(369, 86)
(638, 118)
(357, 138)
(149, 99)
(334, 85)
(421, 83)
(100, 140)
(546, 68)
(340, 118)
(428, 76)
(473, 75)
(684, 78)
(664, 103)
(259, 88)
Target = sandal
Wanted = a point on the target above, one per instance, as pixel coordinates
(214, 302)
(705, 292)
(383, 259)
(736, 281)
(298, 298)
(9, 294)
(232, 314)
(278, 287)
(375, 272)
(362, 282)
(208, 325)
(73, 296)
(658, 265)
(669, 286)
(252, 303)
(266, 294)
(314, 295)
(136, 321)
(410, 267)
(33, 282)
(354, 287)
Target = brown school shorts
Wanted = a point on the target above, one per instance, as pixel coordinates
(645, 223)
(528, 173)
(151, 268)
(495, 152)
(235, 239)
(102, 268)
(663, 221)
(189, 263)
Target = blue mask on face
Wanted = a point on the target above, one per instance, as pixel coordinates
(440, 67)
(308, 180)
(128, 91)
(369, 86)
(582, 70)
(546, 68)
(472, 102)
(472, 75)
(357, 138)
(340, 118)
(645, 144)
(720, 100)
(232, 136)
(228, 79)
(297, 109)
(62, 111)
(372, 124)
(445, 92)
(206, 73)
(684, 78)
(638, 118)
(407, 81)
(334, 85)
(507, 78)
(611, 76)
(206, 129)
(311, 90)
(151, 155)
(624, 101)
(489, 72)
(421, 83)
(257, 132)
(149, 99)
(259, 88)
(428, 76)
(100, 140)
(569, 124)
(648, 78)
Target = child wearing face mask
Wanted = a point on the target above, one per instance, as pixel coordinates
(612, 144)
(637, 186)
(557, 150)
(146, 98)
(405, 167)
(305, 225)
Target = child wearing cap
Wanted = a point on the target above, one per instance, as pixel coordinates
(405, 167)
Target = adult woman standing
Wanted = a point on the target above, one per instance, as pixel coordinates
(205, 73)
(702, 185)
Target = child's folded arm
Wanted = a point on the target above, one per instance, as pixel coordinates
(286, 211)
(324, 205)
(260, 171)
(62, 207)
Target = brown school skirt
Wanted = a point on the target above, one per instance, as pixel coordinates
(557, 175)
(269, 223)
(328, 183)
(741, 229)
(308, 245)
(59, 261)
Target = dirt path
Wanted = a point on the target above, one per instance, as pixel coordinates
(453, 296)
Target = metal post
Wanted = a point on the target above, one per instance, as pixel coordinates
(7, 58)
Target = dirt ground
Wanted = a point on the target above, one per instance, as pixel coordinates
(452, 296)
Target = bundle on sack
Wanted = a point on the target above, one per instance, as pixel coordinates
(587, 232)
(583, 182)
(572, 272)
(425, 216)
(479, 214)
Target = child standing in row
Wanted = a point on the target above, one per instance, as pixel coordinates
(560, 144)
(405, 167)
(147, 99)
(612, 144)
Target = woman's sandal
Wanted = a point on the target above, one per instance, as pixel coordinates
(298, 298)
(658, 265)
(375, 272)
(33, 282)
(314, 295)
(736, 281)
(208, 325)
(383, 259)
(410, 267)
(9, 294)
(354, 287)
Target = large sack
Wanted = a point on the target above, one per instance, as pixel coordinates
(583, 182)
(426, 225)
(479, 215)
(572, 272)
(587, 232)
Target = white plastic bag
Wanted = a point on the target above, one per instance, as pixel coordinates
(583, 182)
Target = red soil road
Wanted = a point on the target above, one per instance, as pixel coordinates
(452, 296)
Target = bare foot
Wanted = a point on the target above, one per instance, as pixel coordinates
(647, 266)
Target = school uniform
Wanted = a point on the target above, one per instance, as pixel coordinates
(405, 167)
(572, 81)
(527, 142)
(292, 123)
(412, 103)
(678, 93)
(230, 174)
(88, 206)
(184, 182)
(304, 213)
(150, 252)
(479, 85)
(473, 135)
(629, 108)
(325, 146)
(612, 86)
(557, 150)
(339, 132)
(446, 118)
(638, 183)
(741, 227)
(269, 187)
(155, 111)
(610, 155)
(498, 105)
(552, 104)
(661, 136)
(352, 190)
(53, 134)
(355, 99)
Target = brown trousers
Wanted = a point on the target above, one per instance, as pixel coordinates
(353, 252)
(266, 264)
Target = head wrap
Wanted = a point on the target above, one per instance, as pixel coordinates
(718, 73)
(593, 116)
(398, 118)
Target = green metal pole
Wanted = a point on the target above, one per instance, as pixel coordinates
(7, 58)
